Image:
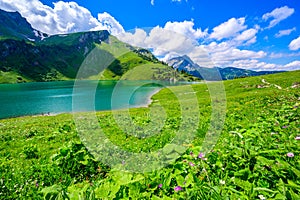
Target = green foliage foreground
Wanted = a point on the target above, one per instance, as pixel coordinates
(256, 157)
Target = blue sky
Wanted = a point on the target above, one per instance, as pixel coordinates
(250, 34)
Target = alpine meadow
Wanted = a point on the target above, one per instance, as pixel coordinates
(200, 106)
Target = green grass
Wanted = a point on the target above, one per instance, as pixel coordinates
(11, 77)
(42, 157)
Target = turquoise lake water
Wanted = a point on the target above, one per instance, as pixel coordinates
(58, 97)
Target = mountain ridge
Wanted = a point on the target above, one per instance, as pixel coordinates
(185, 63)
(25, 56)
(14, 26)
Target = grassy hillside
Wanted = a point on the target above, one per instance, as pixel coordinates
(131, 63)
(256, 156)
(59, 57)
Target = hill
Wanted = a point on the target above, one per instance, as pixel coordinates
(29, 55)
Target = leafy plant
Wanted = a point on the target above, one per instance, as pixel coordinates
(30, 152)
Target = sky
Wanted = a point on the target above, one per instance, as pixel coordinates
(251, 34)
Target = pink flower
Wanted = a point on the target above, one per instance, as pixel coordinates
(201, 155)
(191, 164)
(177, 188)
(160, 186)
(297, 137)
(290, 155)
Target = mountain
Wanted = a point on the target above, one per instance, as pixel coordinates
(29, 55)
(13, 25)
(184, 63)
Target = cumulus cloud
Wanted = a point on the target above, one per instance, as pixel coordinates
(174, 39)
(295, 44)
(162, 41)
(293, 65)
(284, 55)
(277, 15)
(107, 22)
(152, 2)
(247, 37)
(64, 17)
(254, 64)
(186, 28)
(284, 32)
(225, 54)
(228, 29)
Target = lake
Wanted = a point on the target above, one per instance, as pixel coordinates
(58, 97)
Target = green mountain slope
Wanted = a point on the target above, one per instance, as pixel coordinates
(24, 57)
(13, 25)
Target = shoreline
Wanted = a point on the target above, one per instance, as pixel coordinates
(49, 114)
(149, 99)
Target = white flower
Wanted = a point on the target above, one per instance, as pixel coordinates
(261, 197)
(222, 182)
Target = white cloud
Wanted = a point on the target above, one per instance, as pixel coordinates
(136, 39)
(256, 65)
(107, 22)
(277, 15)
(174, 38)
(180, 38)
(295, 65)
(163, 41)
(284, 32)
(152, 2)
(295, 44)
(225, 55)
(228, 29)
(186, 28)
(247, 37)
(64, 17)
(284, 55)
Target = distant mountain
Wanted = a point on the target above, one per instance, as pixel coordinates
(13, 25)
(184, 63)
(29, 55)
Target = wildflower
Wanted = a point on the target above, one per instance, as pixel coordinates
(191, 164)
(191, 153)
(290, 155)
(261, 197)
(201, 156)
(273, 133)
(160, 186)
(284, 126)
(222, 182)
(177, 188)
(297, 137)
